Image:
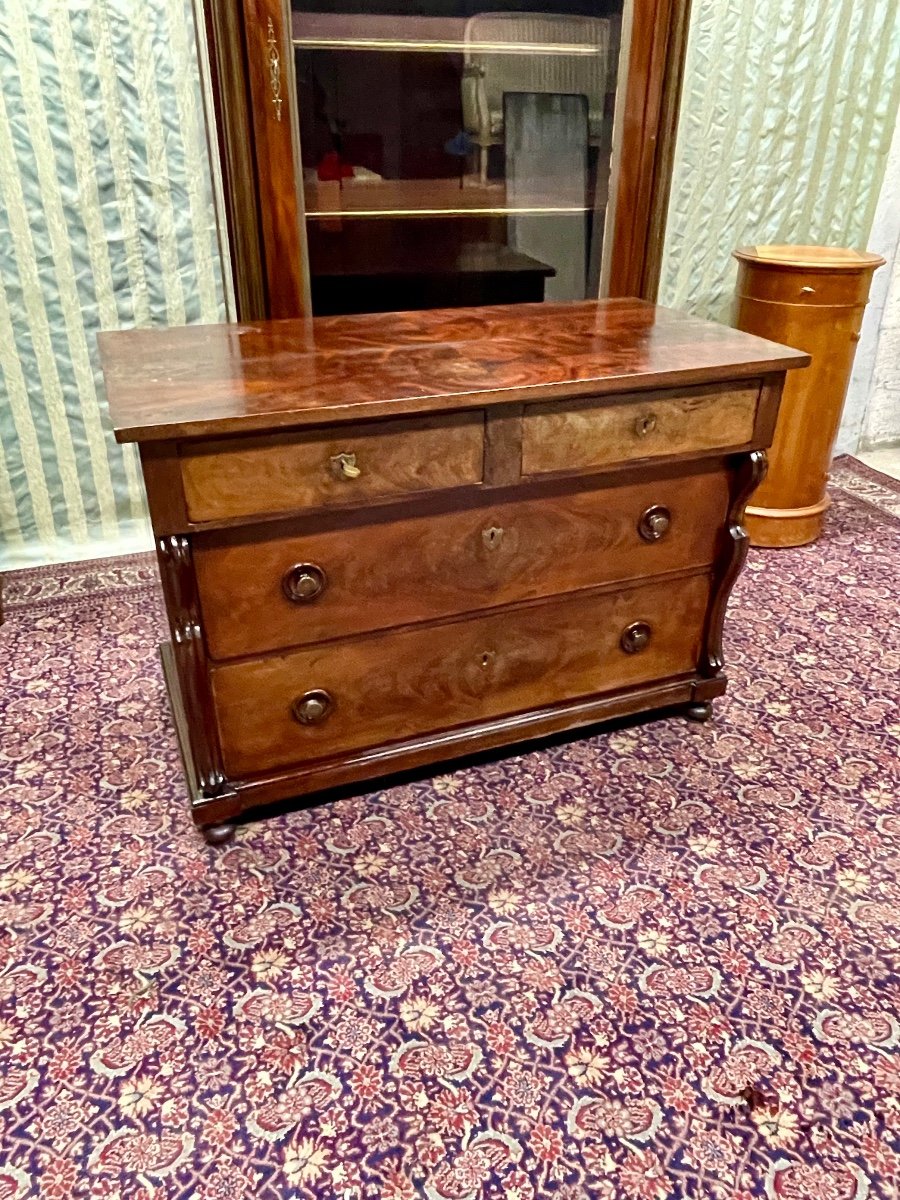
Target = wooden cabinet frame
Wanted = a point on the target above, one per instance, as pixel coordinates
(251, 55)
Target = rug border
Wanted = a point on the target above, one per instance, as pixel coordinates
(20, 583)
(886, 503)
(858, 467)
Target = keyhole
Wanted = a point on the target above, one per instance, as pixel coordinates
(492, 537)
(486, 660)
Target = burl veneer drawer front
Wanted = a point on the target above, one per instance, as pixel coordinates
(260, 595)
(325, 700)
(241, 477)
(573, 436)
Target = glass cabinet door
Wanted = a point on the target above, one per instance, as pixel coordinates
(454, 152)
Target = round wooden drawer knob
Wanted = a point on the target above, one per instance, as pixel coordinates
(304, 582)
(655, 523)
(636, 637)
(312, 707)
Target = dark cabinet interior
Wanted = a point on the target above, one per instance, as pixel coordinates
(441, 153)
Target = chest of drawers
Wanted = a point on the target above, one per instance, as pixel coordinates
(387, 541)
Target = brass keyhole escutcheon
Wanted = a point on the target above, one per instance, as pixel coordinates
(635, 637)
(645, 424)
(344, 466)
(492, 537)
(486, 659)
(303, 583)
(655, 523)
(312, 707)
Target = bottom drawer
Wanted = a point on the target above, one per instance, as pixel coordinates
(324, 700)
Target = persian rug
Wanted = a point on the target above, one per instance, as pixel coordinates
(658, 961)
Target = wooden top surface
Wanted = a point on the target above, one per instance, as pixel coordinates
(209, 380)
(816, 258)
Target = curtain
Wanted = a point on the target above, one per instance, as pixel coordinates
(106, 220)
(785, 126)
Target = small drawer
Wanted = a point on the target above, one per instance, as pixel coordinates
(350, 464)
(264, 590)
(567, 436)
(770, 285)
(325, 700)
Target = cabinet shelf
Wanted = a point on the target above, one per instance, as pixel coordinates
(427, 198)
(394, 44)
(507, 210)
(420, 35)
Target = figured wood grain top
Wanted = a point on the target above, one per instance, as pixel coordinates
(209, 380)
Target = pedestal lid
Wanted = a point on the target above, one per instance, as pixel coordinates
(809, 258)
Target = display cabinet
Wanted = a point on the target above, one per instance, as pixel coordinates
(381, 155)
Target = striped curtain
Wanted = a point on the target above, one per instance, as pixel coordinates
(106, 221)
(785, 126)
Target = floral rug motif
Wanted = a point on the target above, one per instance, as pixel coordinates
(659, 961)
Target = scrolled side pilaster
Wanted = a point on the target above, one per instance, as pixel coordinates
(183, 605)
(748, 475)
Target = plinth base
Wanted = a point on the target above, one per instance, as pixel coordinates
(779, 528)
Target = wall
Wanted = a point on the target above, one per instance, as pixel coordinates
(882, 422)
(106, 220)
(872, 411)
(784, 131)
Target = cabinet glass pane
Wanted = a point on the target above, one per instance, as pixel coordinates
(454, 151)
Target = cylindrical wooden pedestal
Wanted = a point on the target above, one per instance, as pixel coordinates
(811, 298)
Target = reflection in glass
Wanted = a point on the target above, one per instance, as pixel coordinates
(454, 152)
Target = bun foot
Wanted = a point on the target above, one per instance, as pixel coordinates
(218, 835)
(699, 710)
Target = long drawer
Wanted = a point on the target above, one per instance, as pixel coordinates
(324, 700)
(340, 465)
(571, 436)
(265, 592)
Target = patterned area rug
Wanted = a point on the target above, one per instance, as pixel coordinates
(657, 962)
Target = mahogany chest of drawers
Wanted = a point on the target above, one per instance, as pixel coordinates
(390, 540)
